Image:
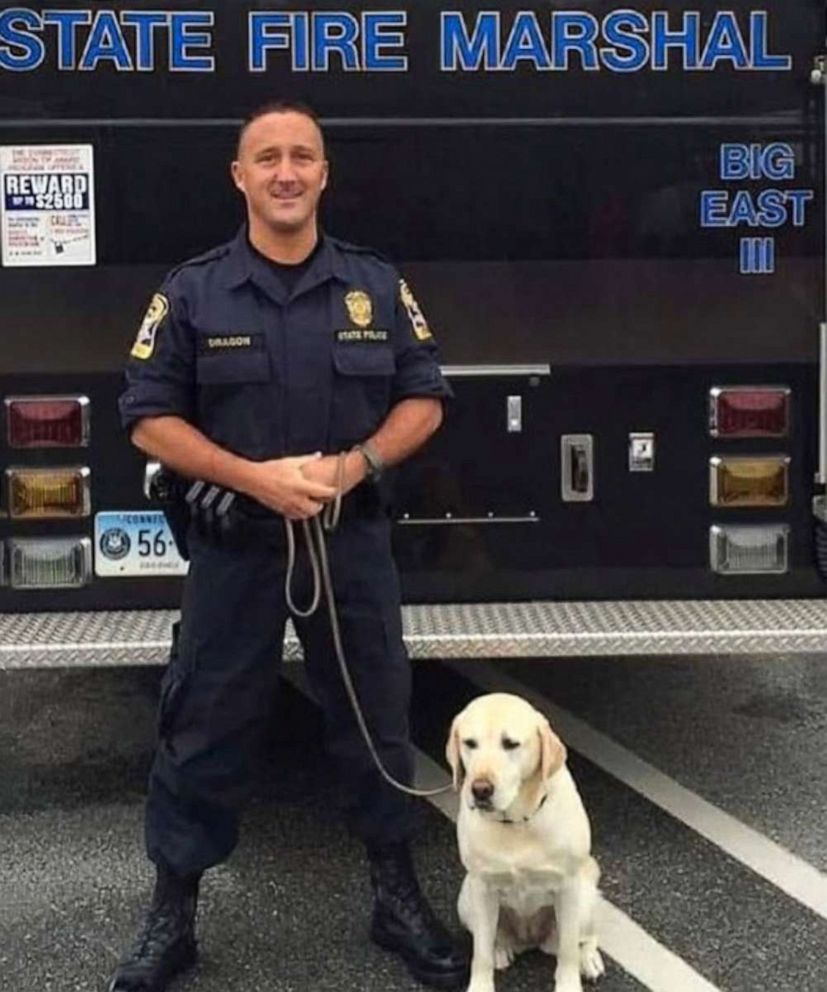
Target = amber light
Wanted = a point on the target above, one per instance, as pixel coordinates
(749, 411)
(48, 493)
(47, 421)
(744, 481)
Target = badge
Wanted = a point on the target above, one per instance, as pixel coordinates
(359, 307)
(417, 318)
(145, 340)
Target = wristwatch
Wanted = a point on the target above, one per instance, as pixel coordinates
(374, 460)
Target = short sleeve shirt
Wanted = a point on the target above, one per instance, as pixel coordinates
(266, 372)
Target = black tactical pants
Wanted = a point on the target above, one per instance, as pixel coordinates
(217, 693)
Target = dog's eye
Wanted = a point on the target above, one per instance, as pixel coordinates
(509, 744)
(470, 743)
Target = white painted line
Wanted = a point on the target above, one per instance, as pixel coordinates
(785, 870)
(635, 950)
(638, 953)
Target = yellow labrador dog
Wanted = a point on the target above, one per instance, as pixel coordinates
(524, 839)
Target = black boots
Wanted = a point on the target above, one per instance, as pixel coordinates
(166, 944)
(404, 922)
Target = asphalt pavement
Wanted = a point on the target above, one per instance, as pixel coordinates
(688, 907)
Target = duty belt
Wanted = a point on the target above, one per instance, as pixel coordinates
(223, 516)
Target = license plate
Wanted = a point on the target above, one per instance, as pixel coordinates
(138, 543)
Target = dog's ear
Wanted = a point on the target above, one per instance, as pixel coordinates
(552, 750)
(452, 755)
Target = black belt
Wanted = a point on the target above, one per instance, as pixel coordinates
(222, 516)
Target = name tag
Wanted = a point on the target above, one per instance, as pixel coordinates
(230, 342)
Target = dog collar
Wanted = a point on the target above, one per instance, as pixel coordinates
(525, 819)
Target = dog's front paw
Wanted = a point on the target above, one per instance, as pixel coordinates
(591, 961)
(480, 985)
(568, 983)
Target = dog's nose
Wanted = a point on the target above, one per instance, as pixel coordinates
(482, 789)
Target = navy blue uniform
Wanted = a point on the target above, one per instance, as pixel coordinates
(268, 372)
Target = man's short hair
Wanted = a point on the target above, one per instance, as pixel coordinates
(279, 107)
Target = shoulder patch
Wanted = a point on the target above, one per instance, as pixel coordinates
(417, 318)
(144, 346)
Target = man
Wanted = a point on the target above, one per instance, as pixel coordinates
(255, 365)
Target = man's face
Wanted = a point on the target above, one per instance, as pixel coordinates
(281, 170)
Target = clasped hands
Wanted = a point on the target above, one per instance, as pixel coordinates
(298, 487)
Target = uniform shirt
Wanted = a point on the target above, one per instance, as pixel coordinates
(266, 373)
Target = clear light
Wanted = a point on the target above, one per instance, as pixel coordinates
(48, 493)
(47, 421)
(749, 481)
(50, 563)
(736, 550)
(749, 411)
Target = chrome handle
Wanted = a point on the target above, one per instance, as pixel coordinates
(577, 468)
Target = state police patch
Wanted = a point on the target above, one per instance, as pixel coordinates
(145, 341)
(415, 315)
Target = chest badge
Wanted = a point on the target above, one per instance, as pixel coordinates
(359, 307)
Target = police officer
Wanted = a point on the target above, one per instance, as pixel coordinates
(255, 366)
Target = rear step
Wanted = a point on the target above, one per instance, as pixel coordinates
(472, 630)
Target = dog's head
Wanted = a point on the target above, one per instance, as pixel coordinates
(499, 745)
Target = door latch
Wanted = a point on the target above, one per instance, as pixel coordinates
(577, 468)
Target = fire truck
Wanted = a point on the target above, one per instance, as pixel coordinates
(614, 219)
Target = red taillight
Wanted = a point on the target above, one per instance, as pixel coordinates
(47, 421)
(749, 411)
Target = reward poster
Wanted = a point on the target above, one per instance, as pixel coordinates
(48, 205)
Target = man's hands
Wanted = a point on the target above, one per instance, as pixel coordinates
(282, 485)
(298, 487)
(325, 470)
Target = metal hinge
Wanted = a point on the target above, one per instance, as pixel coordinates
(818, 74)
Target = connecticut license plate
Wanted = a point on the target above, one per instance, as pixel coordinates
(139, 543)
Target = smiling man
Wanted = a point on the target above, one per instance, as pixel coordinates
(281, 170)
(255, 366)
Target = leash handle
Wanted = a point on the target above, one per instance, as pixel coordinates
(330, 514)
(291, 565)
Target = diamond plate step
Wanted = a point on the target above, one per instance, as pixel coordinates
(478, 630)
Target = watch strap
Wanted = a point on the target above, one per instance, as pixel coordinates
(375, 464)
